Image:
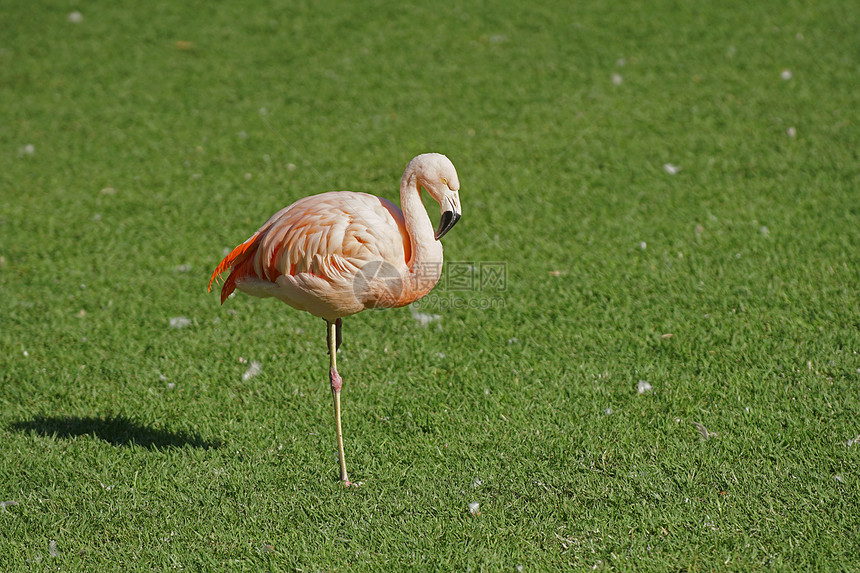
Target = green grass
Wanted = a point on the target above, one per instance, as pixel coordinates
(137, 446)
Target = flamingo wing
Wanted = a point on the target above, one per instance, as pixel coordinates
(328, 236)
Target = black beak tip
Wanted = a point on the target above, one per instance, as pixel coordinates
(446, 223)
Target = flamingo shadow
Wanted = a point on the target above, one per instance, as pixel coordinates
(116, 430)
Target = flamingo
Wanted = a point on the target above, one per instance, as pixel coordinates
(338, 253)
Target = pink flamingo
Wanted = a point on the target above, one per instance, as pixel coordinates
(338, 253)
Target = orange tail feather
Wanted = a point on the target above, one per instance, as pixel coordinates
(236, 260)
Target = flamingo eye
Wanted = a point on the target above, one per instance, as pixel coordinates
(444, 181)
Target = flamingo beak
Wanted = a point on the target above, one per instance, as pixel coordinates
(446, 223)
(450, 202)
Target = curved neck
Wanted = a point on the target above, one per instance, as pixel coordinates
(426, 260)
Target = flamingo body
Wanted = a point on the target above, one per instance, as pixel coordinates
(310, 255)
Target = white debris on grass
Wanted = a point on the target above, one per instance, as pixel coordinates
(423, 318)
(707, 434)
(513, 340)
(671, 169)
(253, 370)
(838, 478)
(643, 387)
(183, 268)
(179, 322)
(855, 441)
(642, 245)
(5, 504)
(791, 131)
(53, 550)
(28, 149)
(785, 74)
(76, 17)
(474, 509)
(617, 79)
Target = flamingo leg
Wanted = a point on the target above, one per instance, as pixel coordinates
(333, 335)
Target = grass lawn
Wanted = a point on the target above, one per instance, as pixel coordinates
(665, 378)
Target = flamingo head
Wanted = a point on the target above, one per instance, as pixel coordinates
(437, 175)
